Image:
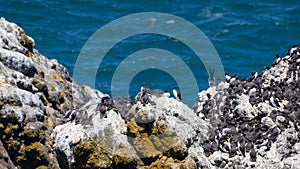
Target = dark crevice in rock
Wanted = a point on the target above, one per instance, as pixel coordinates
(131, 165)
(148, 161)
(61, 158)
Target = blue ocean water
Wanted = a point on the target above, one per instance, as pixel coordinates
(247, 35)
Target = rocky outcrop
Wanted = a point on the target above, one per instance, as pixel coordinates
(49, 121)
(35, 94)
(157, 135)
(256, 120)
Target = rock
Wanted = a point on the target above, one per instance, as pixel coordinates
(297, 148)
(280, 119)
(265, 119)
(5, 161)
(18, 62)
(268, 122)
(244, 108)
(35, 94)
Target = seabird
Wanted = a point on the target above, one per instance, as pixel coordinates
(252, 155)
(227, 77)
(276, 61)
(274, 102)
(105, 105)
(293, 78)
(294, 48)
(145, 98)
(211, 79)
(242, 147)
(253, 76)
(232, 79)
(176, 93)
(166, 93)
(252, 91)
(144, 88)
(71, 115)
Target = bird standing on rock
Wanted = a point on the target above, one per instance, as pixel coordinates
(145, 89)
(176, 93)
(276, 61)
(166, 93)
(105, 105)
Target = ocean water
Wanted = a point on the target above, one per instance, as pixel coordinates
(247, 35)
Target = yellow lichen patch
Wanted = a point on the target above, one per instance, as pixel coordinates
(37, 154)
(51, 155)
(50, 123)
(99, 159)
(58, 78)
(134, 129)
(1, 126)
(67, 86)
(61, 95)
(13, 144)
(29, 133)
(10, 128)
(89, 154)
(1, 103)
(25, 41)
(42, 167)
(164, 162)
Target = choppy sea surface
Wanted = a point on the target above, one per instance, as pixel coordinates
(247, 35)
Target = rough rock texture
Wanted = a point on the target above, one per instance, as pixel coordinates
(49, 121)
(35, 94)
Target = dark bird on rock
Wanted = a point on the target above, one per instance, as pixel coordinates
(274, 101)
(227, 77)
(70, 116)
(102, 109)
(232, 151)
(253, 155)
(176, 93)
(105, 105)
(293, 49)
(145, 98)
(276, 61)
(242, 147)
(145, 89)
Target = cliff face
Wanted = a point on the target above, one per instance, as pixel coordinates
(49, 121)
(35, 94)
